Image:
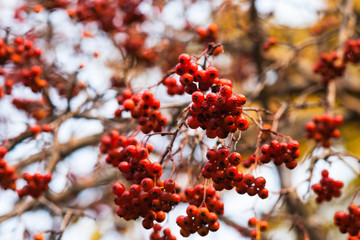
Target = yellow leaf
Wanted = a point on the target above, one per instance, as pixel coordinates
(96, 235)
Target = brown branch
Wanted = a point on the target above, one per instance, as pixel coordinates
(65, 150)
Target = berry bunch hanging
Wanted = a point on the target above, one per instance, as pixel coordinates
(352, 51)
(260, 226)
(280, 152)
(222, 168)
(33, 108)
(156, 234)
(329, 66)
(218, 114)
(145, 108)
(7, 173)
(208, 35)
(131, 158)
(327, 188)
(173, 88)
(36, 184)
(17, 56)
(146, 200)
(324, 127)
(348, 221)
(252, 186)
(219, 111)
(202, 213)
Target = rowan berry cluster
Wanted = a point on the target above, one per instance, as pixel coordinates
(131, 11)
(352, 51)
(222, 168)
(280, 152)
(31, 78)
(348, 222)
(156, 234)
(130, 157)
(329, 67)
(327, 188)
(252, 186)
(253, 222)
(20, 52)
(218, 114)
(34, 108)
(135, 44)
(208, 35)
(36, 185)
(145, 108)
(104, 11)
(202, 213)
(269, 43)
(324, 127)
(146, 200)
(7, 173)
(173, 88)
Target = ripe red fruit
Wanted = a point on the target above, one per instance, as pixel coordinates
(129, 105)
(241, 123)
(118, 189)
(197, 97)
(184, 58)
(156, 169)
(252, 222)
(3, 151)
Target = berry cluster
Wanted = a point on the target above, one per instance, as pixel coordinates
(131, 158)
(263, 226)
(219, 111)
(135, 44)
(156, 234)
(34, 108)
(327, 188)
(280, 153)
(270, 42)
(7, 173)
(199, 218)
(103, 11)
(222, 168)
(172, 87)
(219, 114)
(252, 186)
(348, 222)
(208, 35)
(20, 53)
(194, 79)
(36, 184)
(146, 200)
(329, 66)
(131, 11)
(352, 51)
(144, 108)
(324, 127)
(31, 78)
